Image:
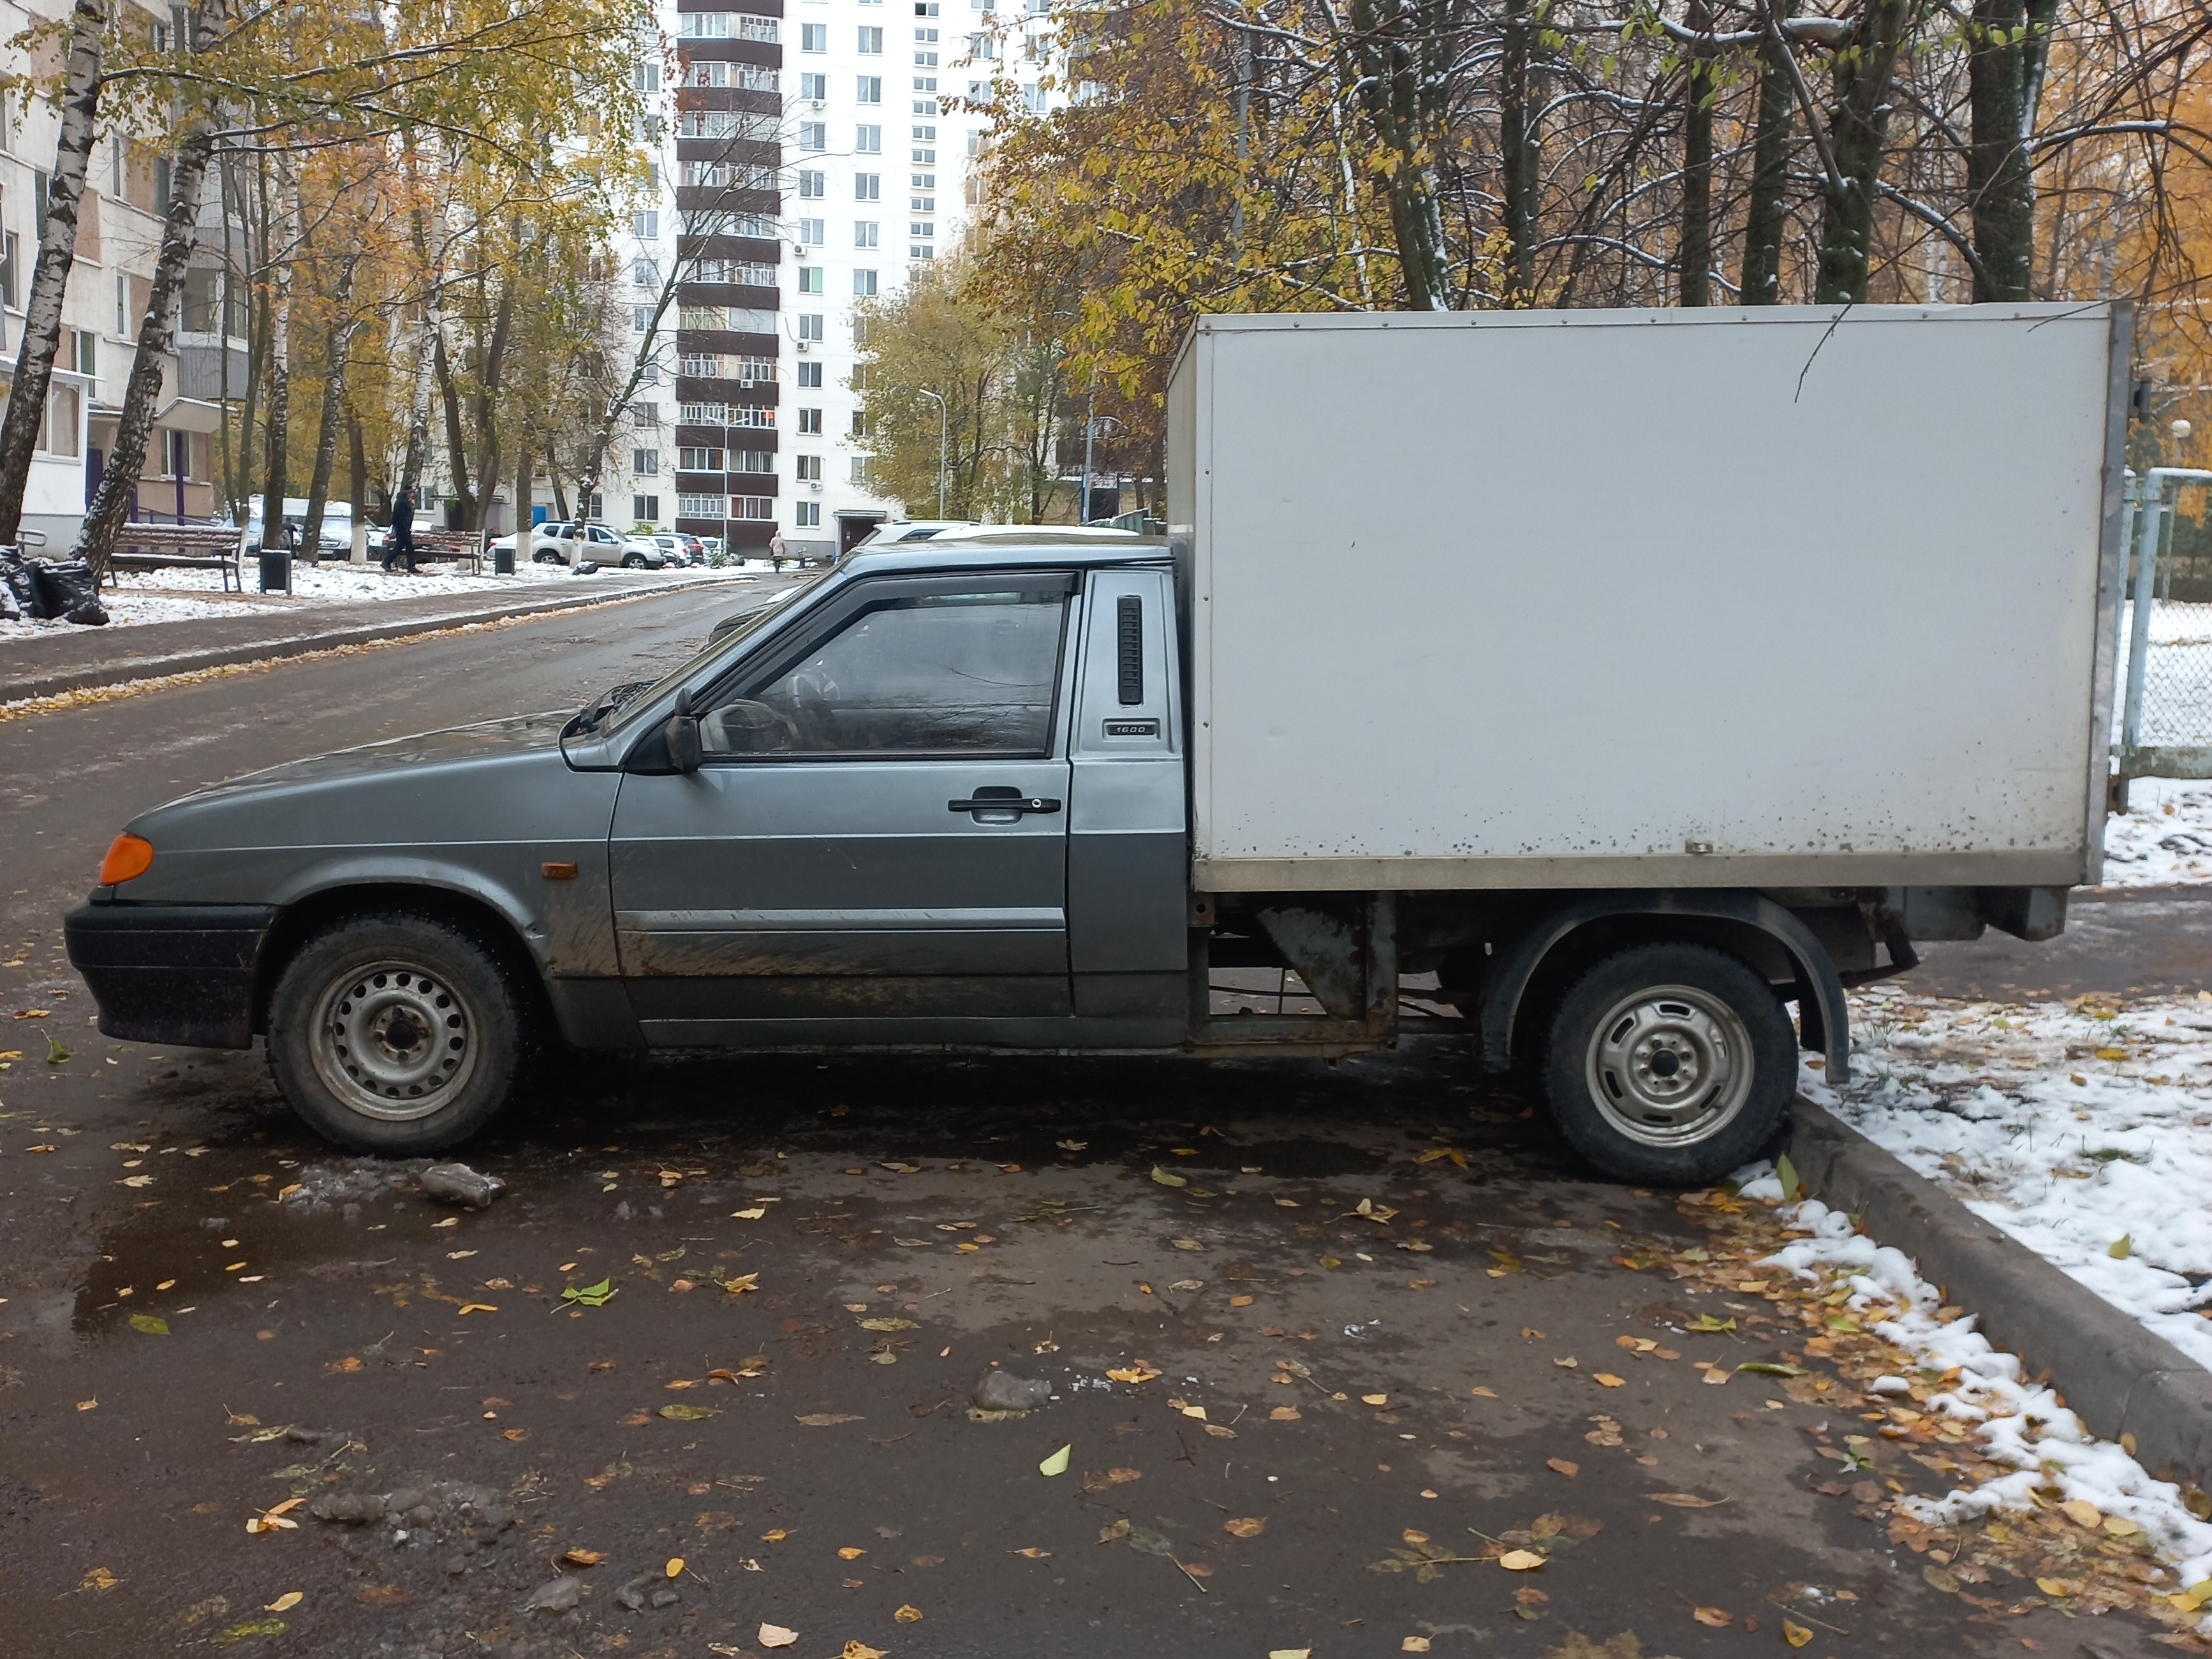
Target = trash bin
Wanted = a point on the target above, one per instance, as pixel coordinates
(275, 570)
(503, 561)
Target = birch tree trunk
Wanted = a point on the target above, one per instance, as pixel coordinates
(418, 401)
(1761, 279)
(326, 432)
(1394, 44)
(127, 461)
(42, 308)
(280, 363)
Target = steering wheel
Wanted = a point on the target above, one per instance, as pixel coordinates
(731, 727)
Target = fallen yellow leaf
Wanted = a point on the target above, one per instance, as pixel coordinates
(850, 1552)
(1142, 1371)
(1244, 1526)
(860, 1651)
(776, 1636)
(774, 1535)
(1520, 1560)
(1284, 1414)
(1606, 1380)
(286, 1602)
(1055, 1464)
(574, 1557)
(1713, 1617)
(2051, 1587)
(908, 1614)
(2081, 1512)
(1414, 1644)
(477, 1307)
(1796, 1634)
(1374, 1399)
(1561, 1465)
(674, 1567)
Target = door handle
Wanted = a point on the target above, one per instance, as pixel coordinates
(1017, 805)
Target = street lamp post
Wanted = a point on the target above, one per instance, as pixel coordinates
(1092, 422)
(943, 432)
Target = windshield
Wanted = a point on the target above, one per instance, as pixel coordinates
(612, 711)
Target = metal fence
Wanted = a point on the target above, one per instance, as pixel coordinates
(2163, 708)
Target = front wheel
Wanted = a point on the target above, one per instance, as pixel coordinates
(396, 1035)
(1672, 1064)
(632, 561)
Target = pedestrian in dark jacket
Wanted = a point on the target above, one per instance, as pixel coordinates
(403, 532)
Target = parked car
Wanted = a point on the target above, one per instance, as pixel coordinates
(1685, 787)
(336, 539)
(550, 543)
(680, 549)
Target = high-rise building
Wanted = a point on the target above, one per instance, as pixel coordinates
(811, 153)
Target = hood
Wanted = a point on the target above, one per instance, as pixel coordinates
(424, 750)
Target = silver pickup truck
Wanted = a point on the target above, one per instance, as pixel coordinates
(1632, 825)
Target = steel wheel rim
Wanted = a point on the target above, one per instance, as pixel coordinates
(1669, 1065)
(393, 1041)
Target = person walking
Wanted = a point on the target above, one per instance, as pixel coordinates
(403, 532)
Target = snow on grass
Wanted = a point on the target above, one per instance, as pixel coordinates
(2164, 838)
(2083, 1130)
(1982, 1391)
(157, 596)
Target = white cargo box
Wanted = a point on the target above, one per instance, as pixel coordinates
(1770, 597)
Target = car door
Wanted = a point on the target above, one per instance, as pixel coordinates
(874, 847)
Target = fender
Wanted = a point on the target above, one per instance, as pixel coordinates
(1816, 974)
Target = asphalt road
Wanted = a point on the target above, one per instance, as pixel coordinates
(207, 1314)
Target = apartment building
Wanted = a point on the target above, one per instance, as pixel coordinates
(118, 234)
(811, 153)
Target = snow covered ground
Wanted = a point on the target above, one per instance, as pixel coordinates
(145, 596)
(2051, 1462)
(2164, 838)
(2082, 1129)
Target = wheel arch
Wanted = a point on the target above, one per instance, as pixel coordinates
(472, 913)
(1749, 926)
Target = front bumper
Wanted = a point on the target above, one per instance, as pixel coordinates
(183, 974)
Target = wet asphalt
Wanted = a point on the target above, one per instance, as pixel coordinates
(208, 1314)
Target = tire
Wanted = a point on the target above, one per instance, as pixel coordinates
(1670, 1065)
(632, 561)
(383, 981)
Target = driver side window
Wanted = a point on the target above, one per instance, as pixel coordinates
(951, 674)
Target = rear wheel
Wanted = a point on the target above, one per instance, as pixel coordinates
(1672, 1064)
(399, 1034)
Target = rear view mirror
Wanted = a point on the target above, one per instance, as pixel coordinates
(683, 735)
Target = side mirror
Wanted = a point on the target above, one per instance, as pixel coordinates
(683, 735)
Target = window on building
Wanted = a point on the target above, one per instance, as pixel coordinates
(59, 433)
(921, 227)
(814, 37)
(813, 233)
(644, 463)
(758, 509)
(700, 366)
(872, 41)
(870, 88)
(806, 515)
(753, 28)
(810, 326)
(645, 415)
(715, 74)
(641, 319)
(754, 78)
(860, 430)
(981, 47)
(920, 251)
(645, 76)
(809, 279)
(864, 284)
(927, 158)
(868, 140)
(867, 187)
(921, 204)
(755, 371)
(752, 460)
(863, 233)
(87, 350)
(645, 274)
(810, 422)
(816, 87)
(645, 509)
(809, 375)
(813, 135)
(701, 414)
(645, 224)
(704, 25)
(11, 275)
(699, 460)
(813, 184)
(702, 506)
(754, 417)
(806, 468)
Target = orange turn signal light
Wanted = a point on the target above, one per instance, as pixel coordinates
(128, 858)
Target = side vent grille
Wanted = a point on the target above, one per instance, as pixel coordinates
(1130, 621)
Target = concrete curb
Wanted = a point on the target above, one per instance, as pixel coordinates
(2118, 1377)
(187, 662)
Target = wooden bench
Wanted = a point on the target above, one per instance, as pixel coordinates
(178, 547)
